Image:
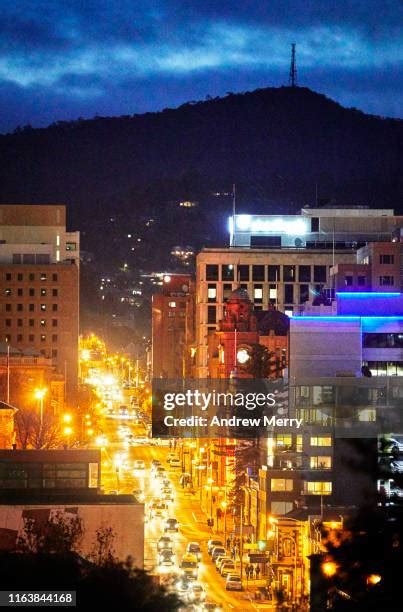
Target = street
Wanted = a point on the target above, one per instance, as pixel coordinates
(118, 475)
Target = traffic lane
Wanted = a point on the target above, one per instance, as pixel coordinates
(193, 526)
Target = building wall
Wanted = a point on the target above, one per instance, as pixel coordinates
(46, 321)
(319, 347)
(172, 328)
(126, 521)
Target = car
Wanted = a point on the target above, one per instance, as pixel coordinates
(212, 543)
(159, 473)
(139, 465)
(396, 446)
(166, 557)
(113, 492)
(175, 463)
(189, 566)
(217, 551)
(154, 463)
(166, 483)
(220, 560)
(171, 456)
(210, 606)
(194, 548)
(167, 496)
(182, 585)
(228, 567)
(233, 583)
(123, 410)
(159, 510)
(171, 524)
(196, 593)
(165, 542)
(139, 495)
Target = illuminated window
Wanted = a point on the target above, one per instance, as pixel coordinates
(43, 291)
(273, 293)
(319, 488)
(71, 246)
(321, 463)
(43, 276)
(43, 322)
(258, 293)
(281, 484)
(43, 306)
(299, 445)
(321, 441)
(283, 440)
(7, 291)
(212, 293)
(367, 414)
(172, 304)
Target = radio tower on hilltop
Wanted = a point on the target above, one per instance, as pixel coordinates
(293, 68)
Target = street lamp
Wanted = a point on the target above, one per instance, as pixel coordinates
(67, 431)
(224, 505)
(210, 481)
(39, 395)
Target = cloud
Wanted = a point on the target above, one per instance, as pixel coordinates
(83, 54)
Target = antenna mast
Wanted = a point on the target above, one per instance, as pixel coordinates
(293, 68)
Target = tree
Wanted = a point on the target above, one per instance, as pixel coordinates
(59, 534)
(259, 364)
(115, 586)
(103, 551)
(31, 433)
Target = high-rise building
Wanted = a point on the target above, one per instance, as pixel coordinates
(172, 327)
(39, 298)
(284, 261)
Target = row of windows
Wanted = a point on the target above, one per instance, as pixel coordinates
(382, 340)
(271, 294)
(385, 368)
(30, 337)
(386, 259)
(312, 488)
(31, 322)
(31, 292)
(60, 476)
(275, 273)
(285, 440)
(43, 276)
(31, 307)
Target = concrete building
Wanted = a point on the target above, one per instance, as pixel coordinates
(285, 261)
(24, 371)
(172, 327)
(39, 485)
(39, 271)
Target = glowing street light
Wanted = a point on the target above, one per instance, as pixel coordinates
(329, 568)
(373, 579)
(67, 418)
(39, 395)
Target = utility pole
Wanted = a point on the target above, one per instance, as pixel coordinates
(293, 68)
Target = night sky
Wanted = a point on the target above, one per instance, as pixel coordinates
(62, 59)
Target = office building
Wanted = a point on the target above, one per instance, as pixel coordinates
(39, 271)
(284, 261)
(172, 327)
(38, 485)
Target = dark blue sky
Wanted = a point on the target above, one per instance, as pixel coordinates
(65, 59)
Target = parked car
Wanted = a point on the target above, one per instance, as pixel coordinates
(217, 551)
(220, 560)
(227, 568)
(175, 463)
(233, 583)
(139, 465)
(212, 543)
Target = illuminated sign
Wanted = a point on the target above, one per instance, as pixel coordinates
(264, 224)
